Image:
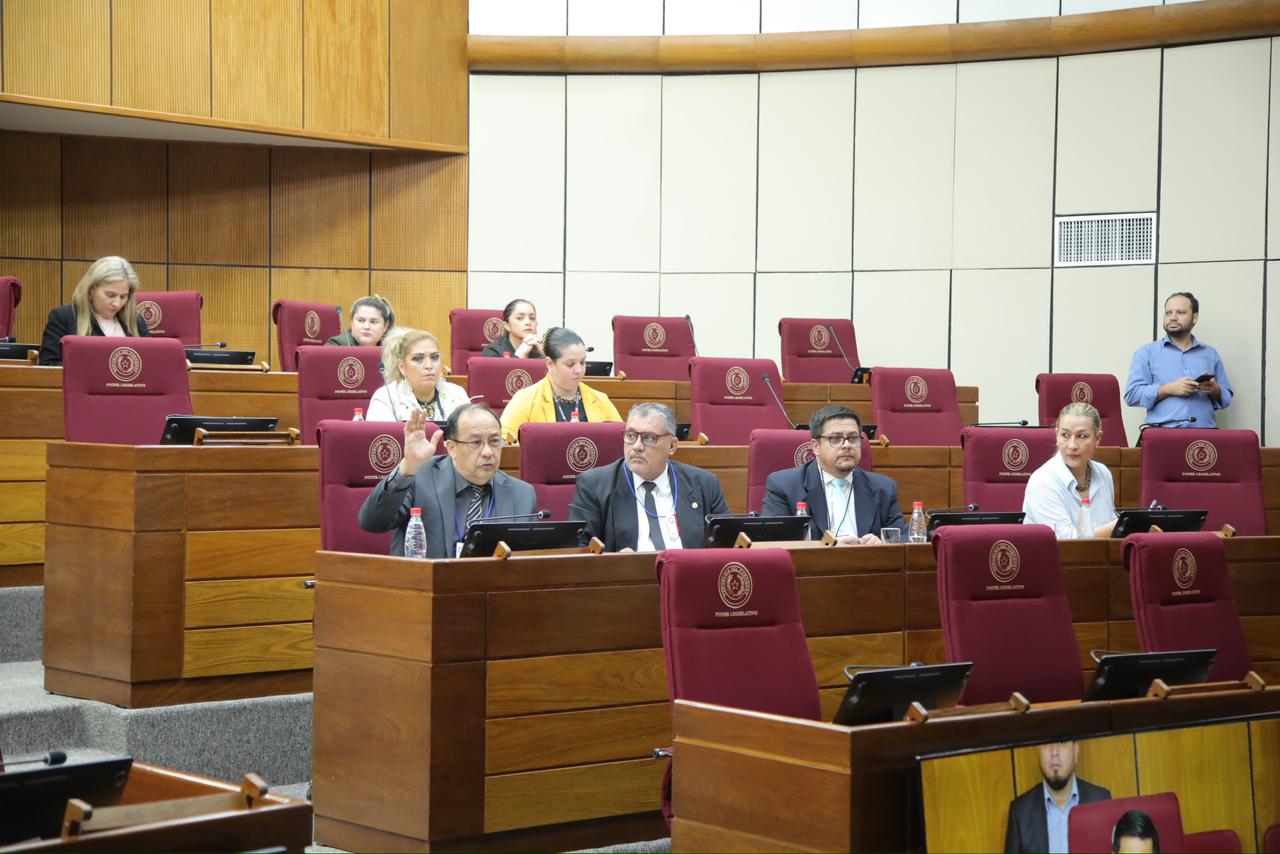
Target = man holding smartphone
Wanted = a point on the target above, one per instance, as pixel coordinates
(1179, 381)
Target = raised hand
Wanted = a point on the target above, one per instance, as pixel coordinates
(418, 449)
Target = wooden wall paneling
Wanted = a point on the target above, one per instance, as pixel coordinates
(257, 61)
(151, 277)
(248, 601)
(573, 738)
(41, 291)
(319, 208)
(237, 304)
(257, 554)
(966, 800)
(345, 66)
(31, 217)
(247, 649)
(583, 681)
(423, 300)
(831, 654)
(428, 44)
(419, 211)
(1106, 762)
(113, 199)
(219, 204)
(339, 287)
(533, 798)
(160, 55)
(1264, 745)
(58, 49)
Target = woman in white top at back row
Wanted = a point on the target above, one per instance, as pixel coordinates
(416, 382)
(1056, 491)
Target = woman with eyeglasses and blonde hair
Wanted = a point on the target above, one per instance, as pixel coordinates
(416, 383)
(102, 304)
(1056, 491)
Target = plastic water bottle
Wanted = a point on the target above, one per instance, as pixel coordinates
(415, 536)
(1084, 525)
(357, 414)
(919, 530)
(802, 509)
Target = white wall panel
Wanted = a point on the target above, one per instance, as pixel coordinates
(709, 173)
(806, 171)
(795, 16)
(516, 165)
(720, 305)
(1230, 297)
(1000, 338)
(1077, 7)
(905, 13)
(1214, 163)
(1005, 10)
(613, 172)
(901, 317)
(1108, 132)
(1004, 164)
(544, 290)
(715, 17)
(1272, 426)
(1088, 340)
(1273, 174)
(903, 158)
(592, 299)
(780, 295)
(517, 17)
(615, 17)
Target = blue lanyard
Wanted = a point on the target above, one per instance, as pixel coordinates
(483, 513)
(675, 493)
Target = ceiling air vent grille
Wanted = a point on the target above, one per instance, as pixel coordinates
(1091, 241)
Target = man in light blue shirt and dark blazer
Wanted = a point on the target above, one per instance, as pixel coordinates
(1179, 381)
(1038, 817)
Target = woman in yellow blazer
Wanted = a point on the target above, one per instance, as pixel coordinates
(561, 395)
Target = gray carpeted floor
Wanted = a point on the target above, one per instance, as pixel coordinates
(21, 614)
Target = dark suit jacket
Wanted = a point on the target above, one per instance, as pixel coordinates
(62, 321)
(875, 499)
(603, 499)
(1028, 828)
(432, 489)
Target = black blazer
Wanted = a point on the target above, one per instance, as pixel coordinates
(603, 499)
(875, 499)
(62, 321)
(1028, 828)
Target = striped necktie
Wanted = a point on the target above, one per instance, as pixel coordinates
(476, 506)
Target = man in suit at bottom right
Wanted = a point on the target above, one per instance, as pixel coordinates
(1038, 817)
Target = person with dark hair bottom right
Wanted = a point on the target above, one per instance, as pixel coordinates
(1135, 833)
(1038, 817)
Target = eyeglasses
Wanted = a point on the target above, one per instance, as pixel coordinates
(835, 440)
(494, 443)
(647, 439)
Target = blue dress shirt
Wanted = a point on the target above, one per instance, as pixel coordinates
(1057, 818)
(1161, 362)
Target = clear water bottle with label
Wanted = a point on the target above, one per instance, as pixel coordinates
(918, 532)
(357, 414)
(415, 536)
(802, 509)
(1084, 525)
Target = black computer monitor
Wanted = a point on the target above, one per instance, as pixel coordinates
(938, 518)
(881, 696)
(33, 799)
(482, 538)
(1124, 676)
(9, 350)
(181, 429)
(599, 369)
(198, 356)
(722, 531)
(1140, 521)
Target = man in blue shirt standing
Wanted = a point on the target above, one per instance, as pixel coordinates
(1177, 379)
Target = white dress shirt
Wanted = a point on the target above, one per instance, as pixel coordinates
(111, 327)
(1051, 498)
(394, 401)
(841, 518)
(666, 506)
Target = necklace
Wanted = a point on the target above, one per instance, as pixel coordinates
(1088, 478)
(572, 403)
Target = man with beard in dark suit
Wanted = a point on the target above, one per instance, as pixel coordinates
(1038, 817)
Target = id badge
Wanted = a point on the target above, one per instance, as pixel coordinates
(671, 531)
(457, 549)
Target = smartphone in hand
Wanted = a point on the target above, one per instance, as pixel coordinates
(1204, 378)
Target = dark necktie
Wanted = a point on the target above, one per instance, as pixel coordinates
(476, 507)
(651, 510)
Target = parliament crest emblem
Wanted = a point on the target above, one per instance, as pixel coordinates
(351, 372)
(736, 380)
(150, 313)
(735, 585)
(654, 336)
(1081, 393)
(803, 454)
(819, 337)
(125, 364)
(917, 389)
(384, 453)
(1202, 455)
(311, 324)
(492, 329)
(517, 379)
(1184, 568)
(1015, 455)
(581, 454)
(1004, 561)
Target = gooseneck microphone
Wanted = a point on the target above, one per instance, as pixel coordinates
(689, 322)
(213, 345)
(1021, 423)
(53, 757)
(541, 514)
(1190, 419)
(852, 370)
(778, 401)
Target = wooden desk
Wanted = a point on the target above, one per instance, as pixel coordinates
(176, 574)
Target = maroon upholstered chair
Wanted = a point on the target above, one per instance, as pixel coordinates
(172, 314)
(774, 450)
(652, 348)
(1181, 593)
(470, 329)
(998, 584)
(1089, 826)
(553, 455)
(354, 456)
(120, 390)
(332, 382)
(10, 296)
(916, 406)
(730, 399)
(1101, 390)
(998, 461)
(1215, 470)
(809, 351)
(496, 381)
(300, 324)
(1271, 840)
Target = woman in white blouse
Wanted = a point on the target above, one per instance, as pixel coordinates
(103, 304)
(416, 382)
(1056, 491)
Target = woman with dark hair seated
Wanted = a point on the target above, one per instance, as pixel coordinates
(520, 319)
(371, 320)
(561, 395)
(103, 304)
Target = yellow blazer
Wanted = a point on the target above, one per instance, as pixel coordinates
(535, 403)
